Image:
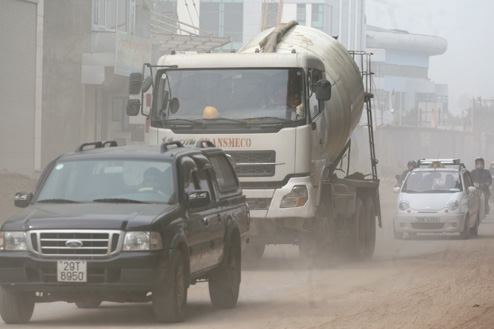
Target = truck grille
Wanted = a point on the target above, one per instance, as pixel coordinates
(76, 243)
(254, 163)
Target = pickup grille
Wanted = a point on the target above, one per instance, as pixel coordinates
(254, 163)
(76, 243)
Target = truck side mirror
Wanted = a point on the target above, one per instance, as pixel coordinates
(133, 107)
(323, 90)
(22, 199)
(135, 84)
(148, 82)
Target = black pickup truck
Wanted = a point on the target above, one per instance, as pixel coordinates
(126, 224)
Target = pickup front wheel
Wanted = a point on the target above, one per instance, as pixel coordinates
(16, 306)
(170, 298)
(224, 282)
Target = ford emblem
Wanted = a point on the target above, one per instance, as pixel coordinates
(74, 244)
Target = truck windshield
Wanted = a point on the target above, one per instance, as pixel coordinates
(110, 181)
(433, 181)
(218, 96)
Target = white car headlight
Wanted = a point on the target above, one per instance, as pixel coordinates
(296, 198)
(13, 241)
(139, 241)
(404, 205)
(453, 205)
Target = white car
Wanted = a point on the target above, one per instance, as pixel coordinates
(438, 196)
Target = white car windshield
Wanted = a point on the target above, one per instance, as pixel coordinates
(111, 181)
(433, 181)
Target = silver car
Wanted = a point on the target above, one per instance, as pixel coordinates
(438, 196)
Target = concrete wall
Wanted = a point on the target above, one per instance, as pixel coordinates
(67, 34)
(395, 146)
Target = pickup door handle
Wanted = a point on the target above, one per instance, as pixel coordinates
(205, 220)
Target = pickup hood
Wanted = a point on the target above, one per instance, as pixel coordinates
(88, 216)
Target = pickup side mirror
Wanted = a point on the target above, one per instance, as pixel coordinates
(22, 199)
(472, 189)
(323, 90)
(198, 199)
(396, 189)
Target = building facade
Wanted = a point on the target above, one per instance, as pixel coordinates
(403, 92)
(243, 19)
(21, 25)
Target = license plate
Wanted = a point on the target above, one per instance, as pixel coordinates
(428, 219)
(71, 271)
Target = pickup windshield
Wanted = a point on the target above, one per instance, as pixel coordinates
(109, 181)
(238, 96)
(433, 181)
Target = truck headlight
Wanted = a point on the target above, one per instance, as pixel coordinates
(13, 241)
(296, 198)
(453, 205)
(404, 205)
(139, 241)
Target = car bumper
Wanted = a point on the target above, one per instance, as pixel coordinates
(128, 271)
(422, 223)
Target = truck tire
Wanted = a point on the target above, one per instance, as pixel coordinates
(252, 254)
(224, 282)
(370, 241)
(95, 304)
(170, 297)
(16, 307)
(358, 233)
(465, 234)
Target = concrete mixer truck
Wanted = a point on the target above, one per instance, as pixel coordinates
(284, 108)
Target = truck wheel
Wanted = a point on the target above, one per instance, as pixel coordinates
(474, 231)
(465, 234)
(95, 304)
(16, 307)
(252, 254)
(170, 298)
(224, 282)
(370, 241)
(358, 226)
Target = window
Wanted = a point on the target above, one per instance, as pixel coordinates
(224, 173)
(88, 180)
(301, 13)
(210, 18)
(315, 106)
(318, 16)
(234, 20)
(114, 15)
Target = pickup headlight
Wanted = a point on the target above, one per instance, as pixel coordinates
(13, 241)
(139, 241)
(404, 205)
(296, 198)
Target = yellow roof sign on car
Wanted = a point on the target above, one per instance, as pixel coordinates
(436, 164)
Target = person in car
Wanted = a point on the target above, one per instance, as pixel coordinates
(483, 178)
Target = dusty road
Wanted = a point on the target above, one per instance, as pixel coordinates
(435, 281)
